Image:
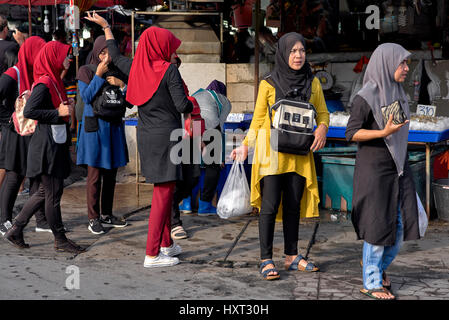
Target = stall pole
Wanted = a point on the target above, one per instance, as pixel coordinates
(29, 18)
(132, 34)
(428, 180)
(256, 51)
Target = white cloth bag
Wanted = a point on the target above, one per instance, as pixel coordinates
(235, 197)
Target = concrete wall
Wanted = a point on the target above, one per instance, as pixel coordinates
(240, 85)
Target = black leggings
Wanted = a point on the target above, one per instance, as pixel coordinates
(211, 177)
(291, 187)
(49, 195)
(8, 197)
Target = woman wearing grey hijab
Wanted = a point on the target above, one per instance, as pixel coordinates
(384, 198)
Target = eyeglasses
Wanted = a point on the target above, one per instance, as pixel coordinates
(301, 51)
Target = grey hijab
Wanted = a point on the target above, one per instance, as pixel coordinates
(380, 89)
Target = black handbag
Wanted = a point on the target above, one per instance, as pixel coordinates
(292, 126)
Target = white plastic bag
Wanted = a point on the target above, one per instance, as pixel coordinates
(235, 197)
(422, 217)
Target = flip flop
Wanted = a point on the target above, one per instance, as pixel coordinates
(370, 294)
(384, 277)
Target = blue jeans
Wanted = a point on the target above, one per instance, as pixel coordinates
(376, 259)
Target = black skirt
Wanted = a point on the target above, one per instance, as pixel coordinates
(15, 147)
(45, 156)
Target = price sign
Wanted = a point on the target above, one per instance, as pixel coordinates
(235, 117)
(425, 110)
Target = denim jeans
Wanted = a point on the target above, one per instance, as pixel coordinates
(376, 259)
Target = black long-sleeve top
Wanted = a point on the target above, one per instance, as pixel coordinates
(121, 62)
(40, 107)
(8, 95)
(45, 156)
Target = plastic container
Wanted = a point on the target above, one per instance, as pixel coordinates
(338, 174)
(441, 196)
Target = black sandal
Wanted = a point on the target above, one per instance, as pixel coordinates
(370, 294)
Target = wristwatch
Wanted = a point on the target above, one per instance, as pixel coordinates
(104, 28)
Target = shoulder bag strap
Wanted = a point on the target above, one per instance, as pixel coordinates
(217, 101)
(18, 77)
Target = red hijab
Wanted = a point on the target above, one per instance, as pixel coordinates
(152, 59)
(27, 54)
(48, 68)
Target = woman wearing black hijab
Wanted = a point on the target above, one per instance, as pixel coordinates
(101, 142)
(278, 174)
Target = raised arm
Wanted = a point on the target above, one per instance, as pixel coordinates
(120, 61)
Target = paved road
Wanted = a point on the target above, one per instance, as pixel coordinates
(112, 268)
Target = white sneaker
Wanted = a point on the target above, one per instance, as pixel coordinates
(160, 261)
(38, 229)
(4, 227)
(172, 251)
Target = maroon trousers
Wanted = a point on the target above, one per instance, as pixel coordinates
(100, 186)
(159, 223)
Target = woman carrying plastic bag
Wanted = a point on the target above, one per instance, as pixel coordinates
(235, 197)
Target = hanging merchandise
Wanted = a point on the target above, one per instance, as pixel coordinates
(72, 16)
(415, 81)
(390, 22)
(75, 46)
(46, 22)
(402, 17)
(242, 14)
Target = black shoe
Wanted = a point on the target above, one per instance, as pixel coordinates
(4, 227)
(111, 221)
(15, 237)
(68, 246)
(95, 226)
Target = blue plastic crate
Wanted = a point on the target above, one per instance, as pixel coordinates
(338, 174)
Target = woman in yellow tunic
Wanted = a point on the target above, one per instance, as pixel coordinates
(278, 175)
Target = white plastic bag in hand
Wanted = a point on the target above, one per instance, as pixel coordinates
(235, 197)
(422, 217)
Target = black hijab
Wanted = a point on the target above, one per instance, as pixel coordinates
(288, 81)
(87, 72)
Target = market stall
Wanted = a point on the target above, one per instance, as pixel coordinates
(424, 130)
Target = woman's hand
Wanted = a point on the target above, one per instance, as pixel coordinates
(102, 68)
(391, 128)
(115, 82)
(96, 18)
(320, 138)
(65, 109)
(240, 153)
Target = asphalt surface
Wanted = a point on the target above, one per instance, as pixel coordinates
(112, 268)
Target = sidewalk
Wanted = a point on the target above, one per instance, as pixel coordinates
(112, 268)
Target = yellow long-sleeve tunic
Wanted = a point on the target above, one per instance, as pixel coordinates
(269, 162)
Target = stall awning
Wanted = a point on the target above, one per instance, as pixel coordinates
(34, 2)
(98, 3)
